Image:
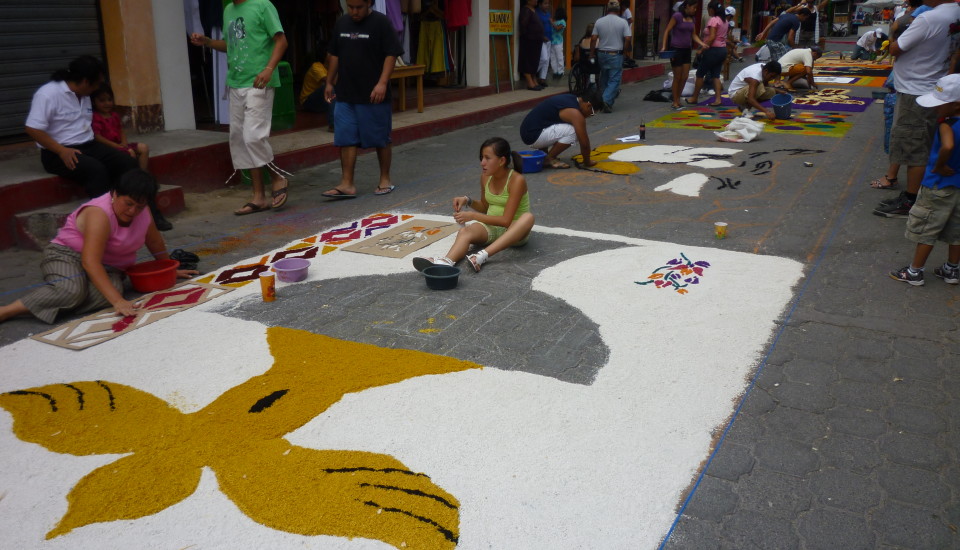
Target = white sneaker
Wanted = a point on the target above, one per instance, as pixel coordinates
(420, 263)
(478, 259)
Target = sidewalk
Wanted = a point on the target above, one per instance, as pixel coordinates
(199, 160)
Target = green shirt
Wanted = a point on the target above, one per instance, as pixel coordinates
(249, 29)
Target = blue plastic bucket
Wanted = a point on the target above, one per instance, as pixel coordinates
(781, 106)
(532, 161)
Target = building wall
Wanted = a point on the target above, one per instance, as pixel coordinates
(131, 47)
(172, 64)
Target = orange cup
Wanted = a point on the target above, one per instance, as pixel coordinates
(268, 286)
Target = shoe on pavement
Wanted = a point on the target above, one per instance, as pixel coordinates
(897, 209)
(478, 259)
(607, 108)
(420, 263)
(950, 275)
(886, 202)
(904, 275)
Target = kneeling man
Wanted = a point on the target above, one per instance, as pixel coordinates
(559, 122)
(799, 63)
(752, 85)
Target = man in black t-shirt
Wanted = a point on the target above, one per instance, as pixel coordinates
(363, 51)
(559, 122)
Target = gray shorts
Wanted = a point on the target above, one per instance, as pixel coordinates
(935, 216)
(912, 132)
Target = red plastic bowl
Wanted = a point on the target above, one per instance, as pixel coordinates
(153, 276)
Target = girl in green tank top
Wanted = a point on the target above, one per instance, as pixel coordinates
(502, 215)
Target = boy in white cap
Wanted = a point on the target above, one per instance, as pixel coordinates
(936, 214)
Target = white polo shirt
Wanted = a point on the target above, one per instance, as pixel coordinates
(57, 111)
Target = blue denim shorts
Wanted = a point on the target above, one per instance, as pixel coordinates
(362, 124)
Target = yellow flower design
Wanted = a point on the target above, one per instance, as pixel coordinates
(240, 437)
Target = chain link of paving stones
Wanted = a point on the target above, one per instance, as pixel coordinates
(850, 437)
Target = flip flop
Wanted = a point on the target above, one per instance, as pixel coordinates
(250, 209)
(554, 163)
(282, 195)
(878, 183)
(385, 190)
(337, 194)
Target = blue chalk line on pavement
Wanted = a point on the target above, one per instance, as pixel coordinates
(753, 381)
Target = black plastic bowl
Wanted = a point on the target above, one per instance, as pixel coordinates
(441, 277)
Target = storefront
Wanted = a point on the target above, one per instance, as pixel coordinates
(37, 39)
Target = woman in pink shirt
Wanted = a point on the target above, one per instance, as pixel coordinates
(711, 58)
(84, 265)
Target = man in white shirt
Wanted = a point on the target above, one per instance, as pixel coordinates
(610, 40)
(923, 54)
(60, 121)
(867, 44)
(752, 86)
(799, 63)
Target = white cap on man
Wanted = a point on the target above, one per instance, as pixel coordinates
(878, 31)
(947, 90)
(731, 11)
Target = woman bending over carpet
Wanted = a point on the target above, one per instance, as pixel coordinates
(501, 216)
(84, 265)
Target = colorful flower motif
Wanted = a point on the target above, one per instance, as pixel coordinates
(677, 274)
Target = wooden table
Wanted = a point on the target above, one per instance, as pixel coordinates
(401, 73)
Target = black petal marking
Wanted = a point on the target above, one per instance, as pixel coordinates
(265, 402)
(48, 397)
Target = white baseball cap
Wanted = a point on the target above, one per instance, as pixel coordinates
(730, 10)
(947, 90)
(878, 30)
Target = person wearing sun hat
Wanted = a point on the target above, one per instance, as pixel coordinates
(936, 213)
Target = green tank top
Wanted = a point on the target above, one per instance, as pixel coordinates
(497, 203)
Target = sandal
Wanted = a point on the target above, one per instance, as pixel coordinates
(554, 163)
(879, 183)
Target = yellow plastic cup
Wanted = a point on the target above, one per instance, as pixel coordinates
(720, 230)
(268, 286)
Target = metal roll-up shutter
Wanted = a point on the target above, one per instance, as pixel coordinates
(36, 38)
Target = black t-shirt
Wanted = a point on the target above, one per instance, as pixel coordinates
(360, 49)
(545, 115)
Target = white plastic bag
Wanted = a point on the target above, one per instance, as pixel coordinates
(740, 130)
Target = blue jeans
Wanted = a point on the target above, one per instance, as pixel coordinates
(611, 69)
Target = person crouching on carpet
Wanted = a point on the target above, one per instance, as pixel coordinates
(84, 264)
(502, 215)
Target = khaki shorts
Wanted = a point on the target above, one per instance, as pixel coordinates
(763, 93)
(935, 216)
(912, 134)
(494, 232)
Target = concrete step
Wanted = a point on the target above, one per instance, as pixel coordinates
(34, 229)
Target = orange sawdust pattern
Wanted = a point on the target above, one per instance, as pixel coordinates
(240, 437)
(602, 153)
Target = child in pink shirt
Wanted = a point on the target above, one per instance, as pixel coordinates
(108, 129)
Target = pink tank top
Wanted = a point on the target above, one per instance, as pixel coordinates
(123, 242)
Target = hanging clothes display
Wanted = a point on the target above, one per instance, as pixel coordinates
(432, 48)
(458, 13)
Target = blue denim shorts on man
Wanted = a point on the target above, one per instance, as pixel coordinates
(362, 125)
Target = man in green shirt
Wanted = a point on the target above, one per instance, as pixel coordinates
(254, 42)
